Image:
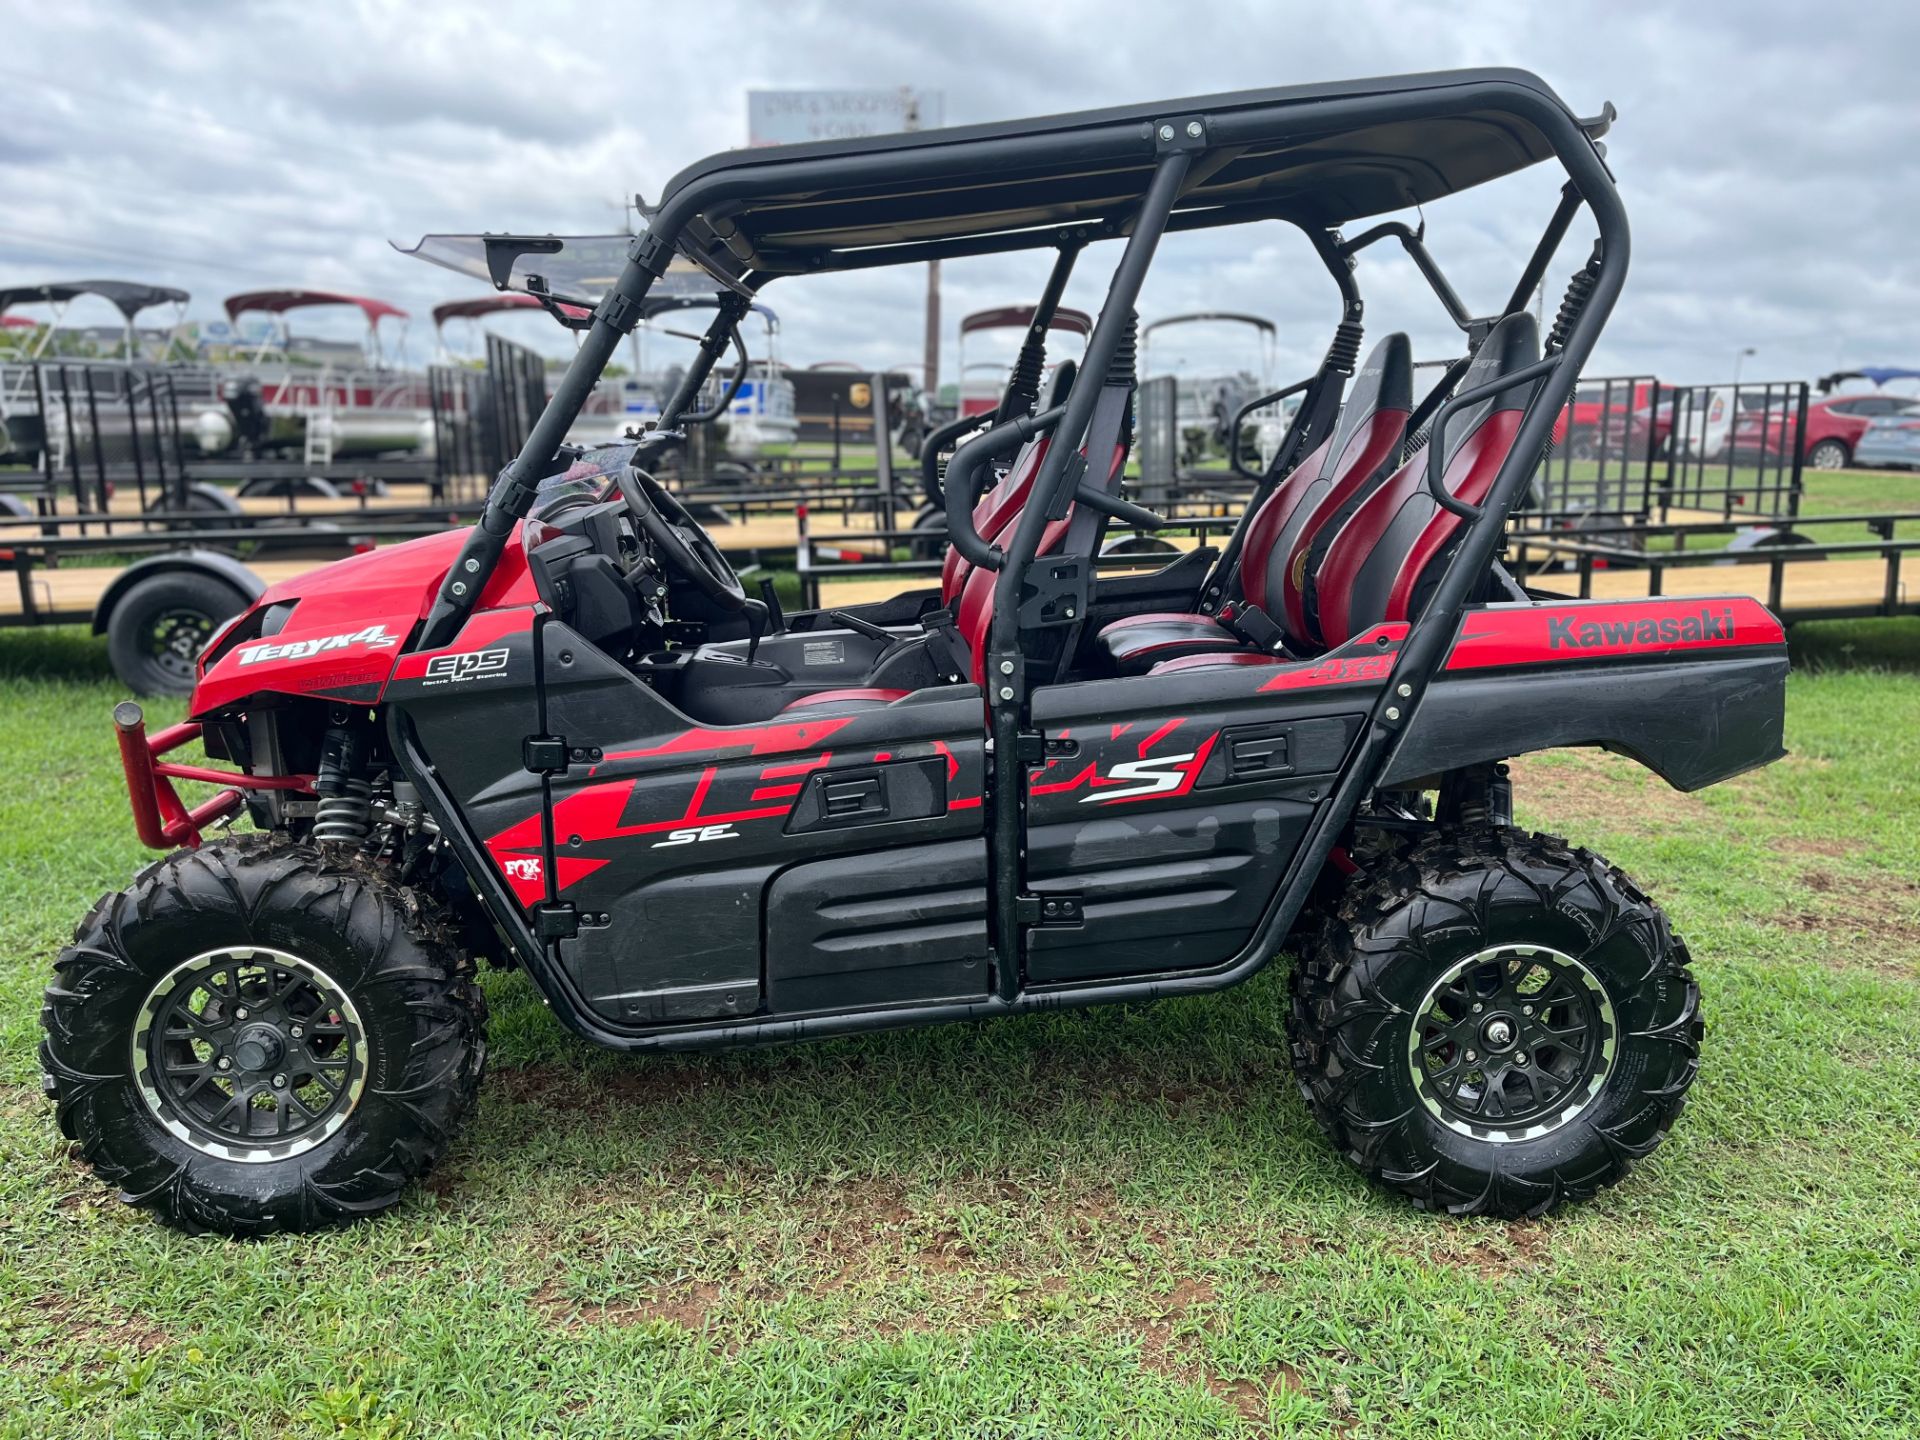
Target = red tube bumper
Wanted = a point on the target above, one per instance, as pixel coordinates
(160, 817)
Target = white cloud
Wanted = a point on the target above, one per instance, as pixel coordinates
(1767, 151)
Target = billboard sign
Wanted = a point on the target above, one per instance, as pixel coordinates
(787, 117)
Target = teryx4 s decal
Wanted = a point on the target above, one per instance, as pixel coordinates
(374, 637)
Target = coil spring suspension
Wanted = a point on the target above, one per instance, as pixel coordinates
(1343, 354)
(1024, 385)
(345, 811)
(1579, 291)
(1126, 353)
(347, 817)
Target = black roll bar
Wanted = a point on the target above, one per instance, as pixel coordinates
(938, 440)
(1570, 202)
(1414, 243)
(1437, 440)
(1001, 440)
(1023, 384)
(1005, 669)
(724, 329)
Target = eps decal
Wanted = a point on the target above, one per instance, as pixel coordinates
(467, 665)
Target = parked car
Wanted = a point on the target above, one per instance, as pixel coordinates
(1891, 442)
(1597, 412)
(1836, 424)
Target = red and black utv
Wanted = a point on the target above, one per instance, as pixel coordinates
(568, 739)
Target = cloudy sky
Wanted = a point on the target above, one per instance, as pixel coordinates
(1768, 150)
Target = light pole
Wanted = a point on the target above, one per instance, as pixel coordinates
(1739, 356)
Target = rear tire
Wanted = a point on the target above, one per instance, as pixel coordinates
(262, 1036)
(158, 629)
(1397, 998)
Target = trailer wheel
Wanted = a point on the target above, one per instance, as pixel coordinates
(1495, 1025)
(278, 487)
(933, 544)
(158, 629)
(262, 1036)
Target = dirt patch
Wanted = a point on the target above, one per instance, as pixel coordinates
(687, 1306)
(93, 1326)
(1581, 791)
(1523, 1245)
(1249, 1397)
(1168, 1321)
(1872, 918)
(1811, 845)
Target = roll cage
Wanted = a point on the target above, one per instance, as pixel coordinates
(1318, 157)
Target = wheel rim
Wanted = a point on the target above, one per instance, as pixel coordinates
(175, 638)
(1512, 1043)
(249, 1054)
(1827, 457)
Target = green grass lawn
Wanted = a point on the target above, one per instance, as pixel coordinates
(1109, 1222)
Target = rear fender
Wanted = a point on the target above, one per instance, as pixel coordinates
(1693, 689)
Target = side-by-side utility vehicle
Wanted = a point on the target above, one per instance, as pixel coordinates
(569, 739)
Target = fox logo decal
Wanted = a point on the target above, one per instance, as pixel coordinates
(1570, 633)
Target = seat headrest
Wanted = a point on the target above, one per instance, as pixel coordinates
(1384, 381)
(1511, 345)
(1058, 384)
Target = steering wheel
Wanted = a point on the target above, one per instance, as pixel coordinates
(678, 539)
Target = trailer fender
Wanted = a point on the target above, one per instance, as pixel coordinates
(211, 498)
(1691, 722)
(224, 568)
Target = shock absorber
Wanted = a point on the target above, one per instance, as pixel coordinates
(1343, 354)
(1579, 290)
(345, 812)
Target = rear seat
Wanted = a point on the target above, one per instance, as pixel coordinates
(1384, 561)
(1306, 508)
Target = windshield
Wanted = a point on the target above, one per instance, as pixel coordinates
(574, 267)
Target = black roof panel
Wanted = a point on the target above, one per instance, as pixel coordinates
(1317, 154)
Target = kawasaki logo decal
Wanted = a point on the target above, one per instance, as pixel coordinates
(375, 636)
(1572, 633)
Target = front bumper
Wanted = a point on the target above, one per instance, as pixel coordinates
(160, 817)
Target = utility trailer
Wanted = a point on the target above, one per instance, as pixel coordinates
(1798, 575)
(158, 597)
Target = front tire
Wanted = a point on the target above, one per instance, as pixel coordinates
(261, 1036)
(1496, 1025)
